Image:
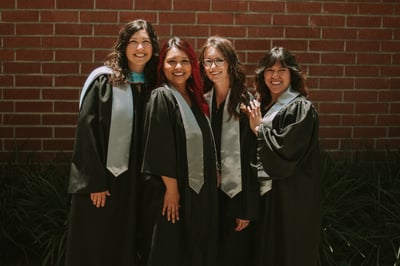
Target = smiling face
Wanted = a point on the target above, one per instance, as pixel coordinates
(215, 65)
(177, 68)
(139, 51)
(277, 79)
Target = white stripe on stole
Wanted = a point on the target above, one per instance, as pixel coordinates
(194, 142)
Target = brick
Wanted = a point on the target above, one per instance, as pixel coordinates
(66, 107)
(7, 28)
(153, 5)
(59, 94)
(327, 20)
(97, 42)
(267, 6)
(371, 108)
(33, 107)
(227, 31)
(64, 132)
(340, 8)
(6, 132)
(388, 144)
(98, 17)
(74, 29)
(73, 55)
(33, 80)
(21, 94)
(326, 45)
(326, 70)
(375, 34)
(21, 67)
(390, 95)
(359, 120)
(336, 108)
(19, 16)
(58, 144)
(363, 46)
(69, 81)
(365, 132)
(371, 83)
(265, 32)
(303, 7)
(75, 4)
(33, 132)
(36, 55)
(115, 4)
(252, 19)
(60, 68)
(297, 20)
(388, 120)
(228, 5)
(376, 9)
(59, 16)
(391, 22)
(360, 96)
(213, 18)
(60, 42)
(7, 4)
(59, 119)
(171, 17)
(363, 22)
(329, 119)
(339, 33)
(326, 95)
(391, 46)
(308, 33)
(28, 4)
(338, 58)
(198, 5)
(182, 30)
(335, 132)
(22, 119)
(23, 145)
(22, 42)
(132, 15)
(371, 58)
(292, 44)
(6, 106)
(362, 71)
(390, 71)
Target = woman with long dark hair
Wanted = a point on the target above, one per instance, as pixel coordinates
(286, 126)
(107, 154)
(179, 166)
(225, 84)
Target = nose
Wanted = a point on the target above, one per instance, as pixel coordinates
(140, 46)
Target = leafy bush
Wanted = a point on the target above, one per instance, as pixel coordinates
(33, 211)
(360, 221)
(361, 212)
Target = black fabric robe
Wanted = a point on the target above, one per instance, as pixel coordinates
(237, 248)
(288, 233)
(105, 235)
(192, 240)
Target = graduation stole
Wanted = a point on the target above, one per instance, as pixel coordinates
(231, 171)
(194, 142)
(119, 139)
(287, 97)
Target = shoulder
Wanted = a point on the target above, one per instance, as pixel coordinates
(299, 109)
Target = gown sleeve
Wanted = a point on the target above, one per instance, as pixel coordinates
(88, 172)
(293, 136)
(160, 144)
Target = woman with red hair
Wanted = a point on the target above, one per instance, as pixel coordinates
(179, 166)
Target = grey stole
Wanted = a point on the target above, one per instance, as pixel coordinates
(194, 142)
(122, 113)
(287, 97)
(231, 170)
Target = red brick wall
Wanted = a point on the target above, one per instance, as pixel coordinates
(350, 50)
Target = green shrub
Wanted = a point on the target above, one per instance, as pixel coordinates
(361, 212)
(33, 212)
(360, 221)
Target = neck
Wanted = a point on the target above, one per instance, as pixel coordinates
(221, 91)
(136, 68)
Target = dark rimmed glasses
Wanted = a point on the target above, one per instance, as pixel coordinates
(219, 62)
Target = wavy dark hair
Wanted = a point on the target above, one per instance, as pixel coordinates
(284, 57)
(194, 83)
(118, 61)
(237, 76)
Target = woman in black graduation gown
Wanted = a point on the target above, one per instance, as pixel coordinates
(179, 166)
(224, 80)
(286, 125)
(103, 185)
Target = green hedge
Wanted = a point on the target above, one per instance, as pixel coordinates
(360, 223)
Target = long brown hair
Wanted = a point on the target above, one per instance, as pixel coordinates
(237, 76)
(286, 59)
(118, 61)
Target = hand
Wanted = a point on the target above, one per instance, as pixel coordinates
(254, 114)
(241, 224)
(99, 198)
(171, 199)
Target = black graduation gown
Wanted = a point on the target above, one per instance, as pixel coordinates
(291, 214)
(192, 240)
(237, 248)
(105, 235)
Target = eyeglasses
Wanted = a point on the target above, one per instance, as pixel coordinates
(219, 62)
(135, 44)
